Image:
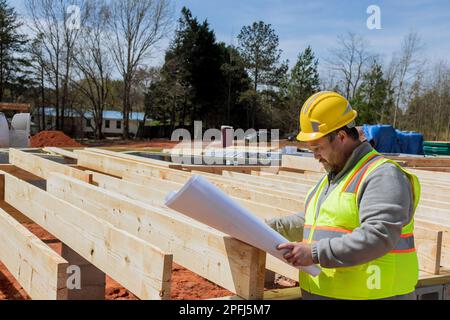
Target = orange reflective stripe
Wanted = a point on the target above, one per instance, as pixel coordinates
(333, 229)
(407, 235)
(361, 177)
(403, 251)
(356, 172)
(312, 195)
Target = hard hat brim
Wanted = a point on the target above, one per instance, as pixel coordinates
(305, 137)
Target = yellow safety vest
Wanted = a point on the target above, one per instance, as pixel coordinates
(393, 274)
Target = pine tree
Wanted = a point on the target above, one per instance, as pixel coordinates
(13, 64)
(371, 98)
(258, 45)
(303, 81)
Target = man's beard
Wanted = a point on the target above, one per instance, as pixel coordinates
(329, 168)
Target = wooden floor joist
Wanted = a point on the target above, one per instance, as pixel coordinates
(138, 265)
(142, 173)
(39, 270)
(61, 152)
(429, 245)
(153, 195)
(42, 167)
(302, 163)
(428, 211)
(228, 262)
(268, 183)
(156, 190)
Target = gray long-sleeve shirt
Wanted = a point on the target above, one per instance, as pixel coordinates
(385, 205)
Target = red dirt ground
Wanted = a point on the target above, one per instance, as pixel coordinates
(185, 284)
(52, 139)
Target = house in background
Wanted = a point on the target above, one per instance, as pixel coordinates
(83, 126)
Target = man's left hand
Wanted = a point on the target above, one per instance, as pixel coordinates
(300, 254)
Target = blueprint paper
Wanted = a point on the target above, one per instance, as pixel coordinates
(204, 202)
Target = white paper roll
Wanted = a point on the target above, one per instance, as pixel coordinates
(4, 132)
(19, 135)
(21, 121)
(204, 202)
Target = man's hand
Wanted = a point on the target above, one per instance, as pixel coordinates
(299, 255)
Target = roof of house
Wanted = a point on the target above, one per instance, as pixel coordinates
(107, 114)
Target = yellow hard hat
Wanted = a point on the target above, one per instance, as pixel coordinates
(323, 113)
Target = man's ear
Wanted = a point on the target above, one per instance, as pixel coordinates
(342, 135)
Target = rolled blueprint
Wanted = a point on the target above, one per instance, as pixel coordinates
(204, 202)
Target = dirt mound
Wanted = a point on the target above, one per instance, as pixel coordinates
(52, 139)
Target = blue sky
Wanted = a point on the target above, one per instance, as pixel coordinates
(318, 23)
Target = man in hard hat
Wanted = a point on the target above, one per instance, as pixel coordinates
(358, 220)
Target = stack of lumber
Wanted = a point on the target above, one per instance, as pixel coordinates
(108, 210)
(270, 192)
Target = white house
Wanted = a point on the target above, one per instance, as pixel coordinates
(112, 121)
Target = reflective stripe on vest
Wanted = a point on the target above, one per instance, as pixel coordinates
(404, 245)
(352, 184)
(311, 195)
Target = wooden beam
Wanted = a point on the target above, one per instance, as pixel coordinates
(37, 268)
(226, 261)
(285, 178)
(217, 169)
(423, 161)
(61, 152)
(42, 167)
(269, 183)
(139, 266)
(20, 107)
(293, 293)
(243, 191)
(119, 167)
(156, 193)
(301, 163)
(144, 173)
(131, 157)
(428, 244)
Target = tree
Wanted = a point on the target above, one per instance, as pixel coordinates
(137, 26)
(13, 64)
(258, 45)
(350, 60)
(302, 82)
(371, 97)
(92, 62)
(407, 67)
(49, 19)
(201, 79)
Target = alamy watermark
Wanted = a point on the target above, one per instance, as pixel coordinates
(73, 20)
(74, 279)
(225, 147)
(374, 20)
(374, 279)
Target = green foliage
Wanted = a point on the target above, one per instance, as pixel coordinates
(258, 46)
(14, 77)
(200, 79)
(299, 85)
(371, 99)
